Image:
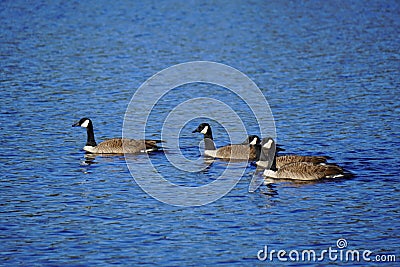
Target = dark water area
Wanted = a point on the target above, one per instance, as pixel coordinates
(330, 73)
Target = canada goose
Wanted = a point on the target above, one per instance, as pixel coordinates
(114, 145)
(244, 151)
(297, 170)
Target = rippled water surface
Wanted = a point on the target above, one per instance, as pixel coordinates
(329, 70)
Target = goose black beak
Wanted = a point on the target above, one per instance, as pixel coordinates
(196, 131)
(75, 124)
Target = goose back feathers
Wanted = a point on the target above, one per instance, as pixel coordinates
(287, 159)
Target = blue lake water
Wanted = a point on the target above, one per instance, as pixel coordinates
(329, 70)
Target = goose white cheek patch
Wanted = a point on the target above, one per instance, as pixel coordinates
(254, 142)
(85, 124)
(205, 130)
(268, 144)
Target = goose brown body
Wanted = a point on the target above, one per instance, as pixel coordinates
(305, 171)
(244, 152)
(121, 146)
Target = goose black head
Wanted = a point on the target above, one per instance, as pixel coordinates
(268, 152)
(253, 140)
(87, 123)
(84, 122)
(205, 129)
(268, 143)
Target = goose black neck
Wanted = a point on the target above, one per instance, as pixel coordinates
(209, 144)
(90, 135)
(258, 152)
(275, 153)
(273, 166)
(208, 140)
(263, 155)
(208, 134)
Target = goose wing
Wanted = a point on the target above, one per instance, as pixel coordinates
(287, 159)
(110, 146)
(234, 152)
(120, 146)
(137, 146)
(308, 171)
